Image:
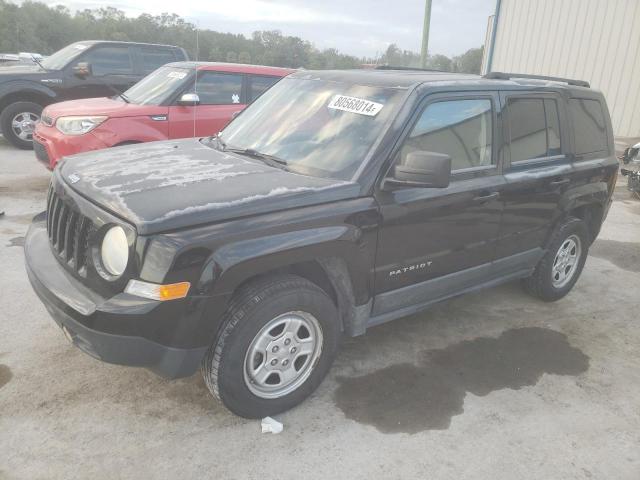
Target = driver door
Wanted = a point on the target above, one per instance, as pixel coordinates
(434, 242)
(221, 96)
(112, 71)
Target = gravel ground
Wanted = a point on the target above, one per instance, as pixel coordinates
(492, 385)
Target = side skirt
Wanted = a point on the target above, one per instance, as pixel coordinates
(416, 298)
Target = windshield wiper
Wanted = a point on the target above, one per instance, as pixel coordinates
(33, 57)
(250, 152)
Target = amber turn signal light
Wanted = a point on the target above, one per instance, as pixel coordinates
(155, 291)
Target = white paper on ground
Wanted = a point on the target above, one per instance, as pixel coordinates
(269, 425)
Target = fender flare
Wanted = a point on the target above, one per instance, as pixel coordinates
(18, 87)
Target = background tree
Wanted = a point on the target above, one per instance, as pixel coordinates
(35, 27)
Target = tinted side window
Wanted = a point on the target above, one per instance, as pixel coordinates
(219, 88)
(589, 125)
(259, 85)
(110, 60)
(153, 58)
(459, 128)
(534, 127)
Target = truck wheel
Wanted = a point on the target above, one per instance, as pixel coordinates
(18, 121)
(277, 342)
(558, 271)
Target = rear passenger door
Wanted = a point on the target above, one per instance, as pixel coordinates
(221, 96)
(537, 170)
(434, 242)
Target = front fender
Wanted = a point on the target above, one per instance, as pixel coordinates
(244, 259)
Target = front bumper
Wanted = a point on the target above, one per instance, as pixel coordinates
(76, 308)
(51, 145)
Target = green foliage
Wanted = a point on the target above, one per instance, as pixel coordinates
(36, 27)
(468, 62)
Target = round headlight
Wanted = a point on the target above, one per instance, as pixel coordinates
(115, 251)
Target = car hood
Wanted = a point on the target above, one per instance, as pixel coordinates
(24, 72)
(162, 186)
(111, 107)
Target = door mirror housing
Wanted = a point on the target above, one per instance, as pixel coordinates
(422, 169)
(189, 100)
(82, 70)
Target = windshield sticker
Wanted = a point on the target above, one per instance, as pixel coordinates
(80, 47)
(235, 98)
(355, 105)
(178, 75)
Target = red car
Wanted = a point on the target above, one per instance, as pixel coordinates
(168, 103)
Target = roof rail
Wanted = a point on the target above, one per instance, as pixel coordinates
(509, 76)
(415, 69)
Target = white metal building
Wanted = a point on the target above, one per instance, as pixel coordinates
(593, 40)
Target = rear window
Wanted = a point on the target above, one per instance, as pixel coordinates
(589, 125)
(534, 128)
(154, 57)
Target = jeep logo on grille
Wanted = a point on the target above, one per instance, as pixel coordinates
(74, 178)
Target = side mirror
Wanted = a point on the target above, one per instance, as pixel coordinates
(82, 70)
(189, 100)
(422, 169)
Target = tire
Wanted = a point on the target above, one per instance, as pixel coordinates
(30, 113)
(255, 314)
(549, 284)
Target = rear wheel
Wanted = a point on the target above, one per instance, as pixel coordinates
(560, 268)
(278, 341)
(18, 121)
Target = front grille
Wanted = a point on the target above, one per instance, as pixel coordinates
(69, 233)
(41, 152)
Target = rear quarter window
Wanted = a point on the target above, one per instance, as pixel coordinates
(589, 125)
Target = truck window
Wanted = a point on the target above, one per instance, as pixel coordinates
(260, 84)
(110, 60)
(589, 125)
(534, 128)
(219, 88)
(155, 57)
(459, 128)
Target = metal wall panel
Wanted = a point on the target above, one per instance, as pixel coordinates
(593, 40)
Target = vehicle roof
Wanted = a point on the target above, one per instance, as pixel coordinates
(235, 67)
(116, 42)
(403, 78)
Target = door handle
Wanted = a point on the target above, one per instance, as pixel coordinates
(486, 198)
(557, 183)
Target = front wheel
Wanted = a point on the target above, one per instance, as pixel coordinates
(278, 341)
(559, 269)
(18, 121)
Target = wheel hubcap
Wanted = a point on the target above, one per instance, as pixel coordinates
(565, 263)
(23, 125)
(283, 354)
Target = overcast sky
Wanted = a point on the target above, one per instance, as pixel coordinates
(356, 27)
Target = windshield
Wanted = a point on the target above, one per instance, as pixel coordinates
(158, 86)
(318, 127)
(61, 58)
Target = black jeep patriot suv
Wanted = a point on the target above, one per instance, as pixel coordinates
(81, 70)
(337, 201)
